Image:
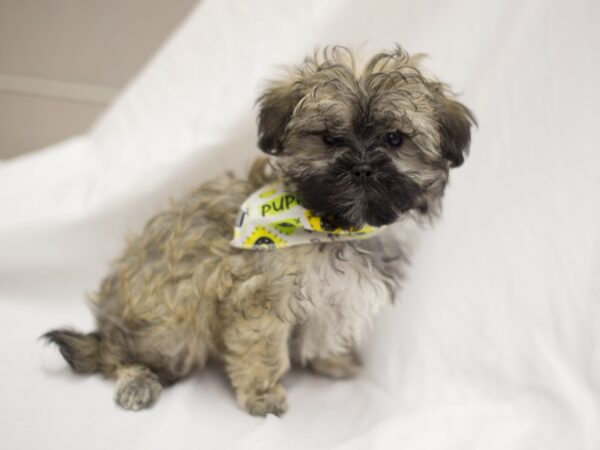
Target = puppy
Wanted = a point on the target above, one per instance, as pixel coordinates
(358, 146)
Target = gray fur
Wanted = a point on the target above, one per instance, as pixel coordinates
(180, 294)
(137, 388)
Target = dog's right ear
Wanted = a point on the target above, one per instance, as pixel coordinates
(276, 108)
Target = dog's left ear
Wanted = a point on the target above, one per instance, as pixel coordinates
(276, 108)
(455, 121)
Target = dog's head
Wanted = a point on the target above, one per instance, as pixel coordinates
(363, 146)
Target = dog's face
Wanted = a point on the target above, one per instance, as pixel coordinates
(363, 146)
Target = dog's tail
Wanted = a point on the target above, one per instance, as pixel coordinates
(81, 351)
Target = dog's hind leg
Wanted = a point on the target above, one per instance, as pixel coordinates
(340, 366)
(137, 387)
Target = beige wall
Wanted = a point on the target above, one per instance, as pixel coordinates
(62, 60)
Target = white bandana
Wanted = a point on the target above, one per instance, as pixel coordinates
(272, 218)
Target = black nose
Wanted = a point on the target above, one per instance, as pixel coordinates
(362, 171)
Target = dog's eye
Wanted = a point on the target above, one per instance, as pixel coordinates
(394, 138)
(330, 140)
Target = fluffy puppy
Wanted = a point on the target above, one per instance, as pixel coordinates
(360, 145)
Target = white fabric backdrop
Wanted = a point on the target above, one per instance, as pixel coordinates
(495, 344)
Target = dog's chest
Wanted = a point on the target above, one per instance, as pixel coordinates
(340, 295)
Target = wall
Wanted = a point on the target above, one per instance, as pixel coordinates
(61, 61)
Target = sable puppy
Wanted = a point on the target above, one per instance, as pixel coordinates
(358, 145)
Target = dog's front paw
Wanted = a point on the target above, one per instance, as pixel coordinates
(261, 403)
(346, 365)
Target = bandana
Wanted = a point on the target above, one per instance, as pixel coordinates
(272, 219)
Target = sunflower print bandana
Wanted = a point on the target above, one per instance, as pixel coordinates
(272, 218)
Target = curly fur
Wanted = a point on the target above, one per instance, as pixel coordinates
(180, 293)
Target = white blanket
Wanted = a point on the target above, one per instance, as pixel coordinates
(495, 344)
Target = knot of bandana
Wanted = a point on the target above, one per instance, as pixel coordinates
(272, 219)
